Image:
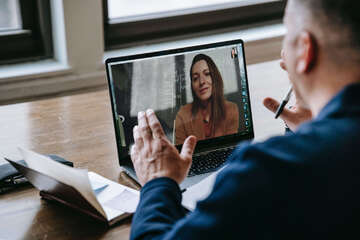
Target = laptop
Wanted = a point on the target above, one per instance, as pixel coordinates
(199, 90)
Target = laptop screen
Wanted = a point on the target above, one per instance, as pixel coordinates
(201, 91)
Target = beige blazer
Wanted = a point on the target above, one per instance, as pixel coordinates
(186, 124)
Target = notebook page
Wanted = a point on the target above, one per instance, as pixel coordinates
(116, 199)
(76, 178)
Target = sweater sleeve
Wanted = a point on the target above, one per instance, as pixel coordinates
(297, 186)
(158, 210)
(240, 185)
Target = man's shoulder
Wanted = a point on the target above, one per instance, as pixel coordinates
(313, 143)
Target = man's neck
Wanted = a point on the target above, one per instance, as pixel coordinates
(331, 85)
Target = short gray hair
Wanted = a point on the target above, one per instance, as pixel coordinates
(338, 14)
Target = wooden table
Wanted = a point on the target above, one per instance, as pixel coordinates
(80, 129)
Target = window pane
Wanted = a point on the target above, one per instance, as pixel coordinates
(132, 10)
(10, 18)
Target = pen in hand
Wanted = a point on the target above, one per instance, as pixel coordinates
(283, 103)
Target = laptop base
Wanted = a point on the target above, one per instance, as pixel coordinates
(188, 182)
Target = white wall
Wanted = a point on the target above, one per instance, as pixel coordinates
(79, 52)
(78, 48)
(84, 35)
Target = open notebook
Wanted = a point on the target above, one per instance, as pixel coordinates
(84, 191)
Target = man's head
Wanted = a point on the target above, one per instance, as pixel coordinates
(322, 47)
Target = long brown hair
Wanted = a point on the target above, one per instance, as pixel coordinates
(217, 99)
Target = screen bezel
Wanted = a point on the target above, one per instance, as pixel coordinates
(203, 145)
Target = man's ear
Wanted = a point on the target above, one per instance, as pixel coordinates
(305, 53)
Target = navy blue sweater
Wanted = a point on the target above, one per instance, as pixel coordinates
(304, 185)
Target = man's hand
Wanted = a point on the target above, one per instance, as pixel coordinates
(154, 156)
(292, 117)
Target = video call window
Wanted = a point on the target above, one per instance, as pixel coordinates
(201, 93)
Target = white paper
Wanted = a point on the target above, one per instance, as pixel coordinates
(93, 187)
(77, 178)
(98, 186)
(199, 191)
(126, 201)
(112, 191)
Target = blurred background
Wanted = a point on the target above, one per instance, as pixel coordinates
(10, 18)
(58, 47)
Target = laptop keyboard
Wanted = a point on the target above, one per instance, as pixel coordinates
(209, 161)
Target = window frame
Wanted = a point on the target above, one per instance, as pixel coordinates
(34, 40)
(125, 34)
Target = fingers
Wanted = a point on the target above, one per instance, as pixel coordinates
(282, 54)
(282, 61)
(282, 65)
(137, 138)
(155, 125)
(188, 147)
(144, 128)
(134, 154)
(273, 105)
(139, 143)
(149, 127)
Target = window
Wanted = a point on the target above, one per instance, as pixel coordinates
(25, 30)
(10, 17)
(129, 22)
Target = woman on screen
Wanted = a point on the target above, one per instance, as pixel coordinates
(209, 115)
